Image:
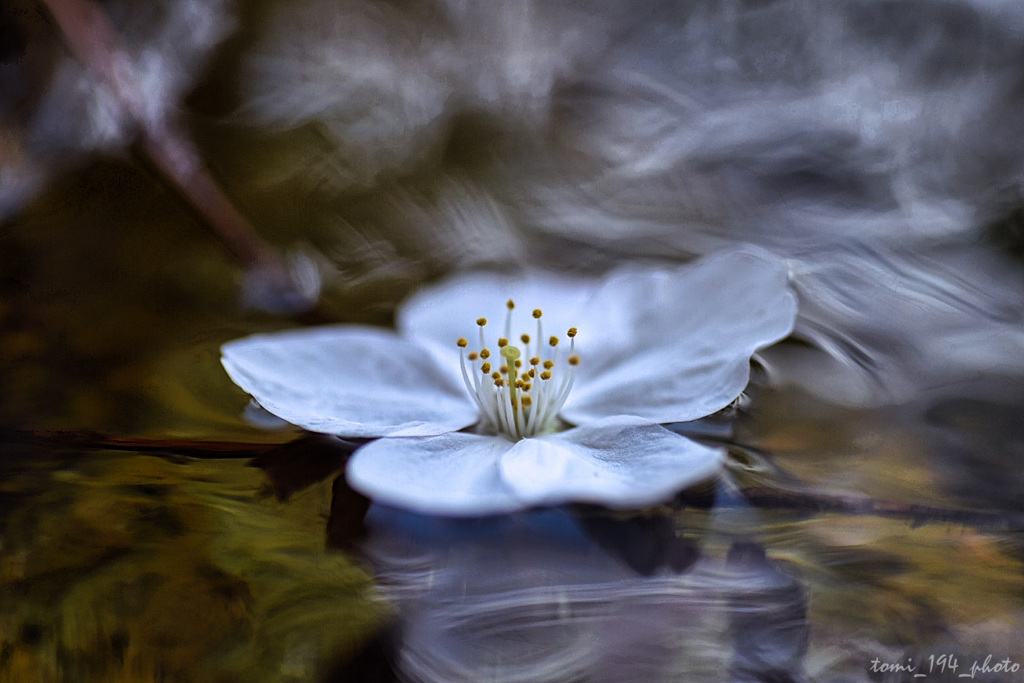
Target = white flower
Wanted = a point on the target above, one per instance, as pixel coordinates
(653, 346)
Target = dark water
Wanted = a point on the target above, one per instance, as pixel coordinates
(872, 509)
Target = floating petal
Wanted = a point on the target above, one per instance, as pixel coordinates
(452, 474)
(621, 462)
(350, 381)
(682, 339)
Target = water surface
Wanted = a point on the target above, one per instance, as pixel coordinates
(871, 512)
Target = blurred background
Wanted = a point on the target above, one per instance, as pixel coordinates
(371, 146)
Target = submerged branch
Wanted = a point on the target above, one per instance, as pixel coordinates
(96, 441)
(766, 497)
(265, 456)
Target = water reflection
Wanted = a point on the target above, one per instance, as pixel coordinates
(119, 566)
(532, 598)
(875, 144)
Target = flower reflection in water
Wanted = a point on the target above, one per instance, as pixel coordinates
(529, 597)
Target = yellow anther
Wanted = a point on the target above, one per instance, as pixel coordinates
(574, 360)
(519, 363)
(527, 386)
(485, 354)
(485, 368)
(553, 341)
(473, 355)
(531, 373)
(510, 304)
(462, 343)
(527, 401)
(525, 338)
(502, 342)
(572, 332)
(510, 353)
(548, 364)
(481, 321)
(503, 369)
(537, 313)
(495, 375)
(535, 361)
(499, 382)
(545, 375)
(520, 384)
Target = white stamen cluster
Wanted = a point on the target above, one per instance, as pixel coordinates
(519, 396)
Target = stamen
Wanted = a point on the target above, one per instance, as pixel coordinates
(474, 387)
(510, 305)
(568, 380)
(540, 328)
(516, 403)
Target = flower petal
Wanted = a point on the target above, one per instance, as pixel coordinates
(437, 316)
(676, 345)
(452, 474)
(350, 381)
(621, 462)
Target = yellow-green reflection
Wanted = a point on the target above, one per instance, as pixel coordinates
(123, 567)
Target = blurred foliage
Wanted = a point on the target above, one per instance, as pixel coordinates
(121, 567)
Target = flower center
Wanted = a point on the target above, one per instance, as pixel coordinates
(521, 393)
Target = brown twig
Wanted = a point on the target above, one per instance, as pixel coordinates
(96, 441)
(92, 40)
